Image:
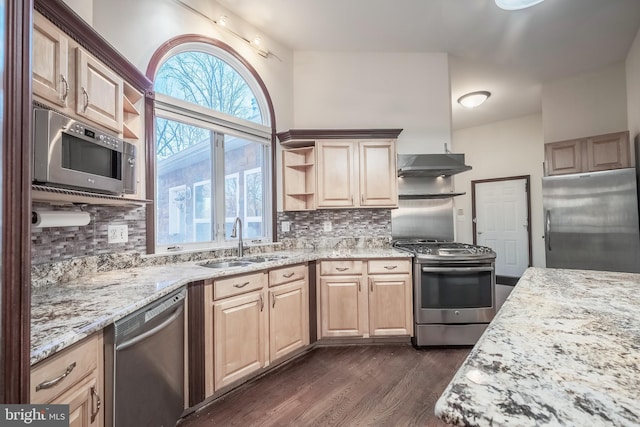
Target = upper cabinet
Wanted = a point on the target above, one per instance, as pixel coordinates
(591, 154)
(334, 169)
(50, 62)
(68, 77)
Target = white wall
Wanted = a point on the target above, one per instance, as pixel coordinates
(633, 88)
(84, 8)
(502, 149)
(376, 90)
(138, 28)
(584, 105)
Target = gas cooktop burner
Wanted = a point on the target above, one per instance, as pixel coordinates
(439, 250)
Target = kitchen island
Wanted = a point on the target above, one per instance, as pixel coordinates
(563, 350)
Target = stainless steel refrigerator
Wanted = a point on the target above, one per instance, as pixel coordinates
(591, 221)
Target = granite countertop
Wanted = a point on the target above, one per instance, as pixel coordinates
(563, 350)
(63, 314)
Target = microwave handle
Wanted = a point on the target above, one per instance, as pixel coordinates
(456, 269)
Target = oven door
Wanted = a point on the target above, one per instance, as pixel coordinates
(455, 293)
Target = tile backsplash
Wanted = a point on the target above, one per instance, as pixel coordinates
(331, 224)
(63, 243)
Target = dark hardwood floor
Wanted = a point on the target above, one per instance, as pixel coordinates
(377, 385)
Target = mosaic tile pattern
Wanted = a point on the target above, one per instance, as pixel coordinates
(345, 223)
(64, 243)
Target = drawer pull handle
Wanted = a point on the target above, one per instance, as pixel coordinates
(390, 267)
(66, 88)
(52, 383)
(342, 268)
(240, 286)
(97, 396)
(86, 100)
(287, 275)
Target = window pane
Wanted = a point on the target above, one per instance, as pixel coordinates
(208, 81)
(184, 176)
(244, 160)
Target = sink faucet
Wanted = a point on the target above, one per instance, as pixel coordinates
(234, 232)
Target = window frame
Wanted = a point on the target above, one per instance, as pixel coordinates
(226, 124)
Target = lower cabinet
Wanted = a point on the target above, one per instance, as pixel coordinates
(239, 337)
(73, 376)
(365, 298)
(252, 320)
(288, 311)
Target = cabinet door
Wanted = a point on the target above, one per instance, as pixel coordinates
(378, 176)
(239, 329)
(563, 157)
(609, 151)
(390, 308)
(340, 306)
(50, 62)
(336, 174)
(99, 92)
(288, 319)
(84, 404)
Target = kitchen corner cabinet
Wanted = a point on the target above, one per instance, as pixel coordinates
(73, 376)
(356, 174)
(365, 298)
(591, 154)
(288, 310)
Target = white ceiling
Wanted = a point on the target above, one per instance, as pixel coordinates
(508, 53)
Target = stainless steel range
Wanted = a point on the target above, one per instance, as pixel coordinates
(454, 291)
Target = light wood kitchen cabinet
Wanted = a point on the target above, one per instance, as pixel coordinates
(390, 297)
(235, 329)
(365, 298)
(288, 311)
(73, 376)
(337, 174)
(348, 168)
(99, 92)
(50, 75)
(356, 174)
(378, 176)
(591, 154)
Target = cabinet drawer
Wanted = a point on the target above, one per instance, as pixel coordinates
(223, 288)
(389, 266)
(287, 274)
(329, 268)
(56, 374)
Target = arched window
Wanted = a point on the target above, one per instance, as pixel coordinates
(213, 151)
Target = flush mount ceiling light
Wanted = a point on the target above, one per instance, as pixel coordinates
(516, 4)
(473, 99)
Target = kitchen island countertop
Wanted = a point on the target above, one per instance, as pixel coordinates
(64, 313)
(564, 350)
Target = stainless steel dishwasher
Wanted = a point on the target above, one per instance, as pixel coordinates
(144, 365)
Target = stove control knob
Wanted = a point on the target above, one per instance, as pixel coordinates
(457, 313)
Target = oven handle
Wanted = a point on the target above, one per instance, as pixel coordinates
(455, 269)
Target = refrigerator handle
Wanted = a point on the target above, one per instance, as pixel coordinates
(547, 229)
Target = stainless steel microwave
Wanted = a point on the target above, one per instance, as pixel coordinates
(70, 154)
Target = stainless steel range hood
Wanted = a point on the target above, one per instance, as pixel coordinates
(431, 164)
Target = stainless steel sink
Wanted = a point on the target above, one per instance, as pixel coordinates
(226, 264)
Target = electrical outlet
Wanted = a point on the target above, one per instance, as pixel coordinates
(326, 226)
(286, 226)
(117, 233)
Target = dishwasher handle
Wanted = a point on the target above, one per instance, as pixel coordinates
(133, 341)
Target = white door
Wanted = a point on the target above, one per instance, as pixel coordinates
(502, 224)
